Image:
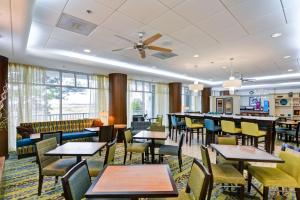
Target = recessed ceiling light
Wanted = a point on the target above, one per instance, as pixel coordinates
(290, 70)
(87, 50)
(275, 35)
(286, 57)
(196, 56)
(224, 67)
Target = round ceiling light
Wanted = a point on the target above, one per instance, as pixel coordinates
(275, 35)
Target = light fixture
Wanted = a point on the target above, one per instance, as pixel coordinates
(275, 35)
(87, 50)
(196, 87)
(196, 56)
(224, 67)
(232, 83)
(290, 70)
(286, 57)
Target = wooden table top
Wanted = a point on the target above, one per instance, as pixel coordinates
(133, 181)
(157, 135)
(245, 153)
(288, 122)
(35, 136)
(76, 149)
(116, 126)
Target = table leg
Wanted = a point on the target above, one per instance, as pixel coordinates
(152, 148)
(78, 159)
(241, 166)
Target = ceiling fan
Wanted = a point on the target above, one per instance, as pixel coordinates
(142, 44)
(244, 80)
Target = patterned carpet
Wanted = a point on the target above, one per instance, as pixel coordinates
(21, 178)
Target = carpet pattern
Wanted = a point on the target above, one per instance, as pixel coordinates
(20, 179)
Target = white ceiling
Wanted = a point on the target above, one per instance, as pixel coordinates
(216, 30)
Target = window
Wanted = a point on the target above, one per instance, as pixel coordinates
(191, 101)
(141, 98)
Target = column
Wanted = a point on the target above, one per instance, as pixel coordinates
(4, 105)
(118, 98)
(175, 91)
(206, 93)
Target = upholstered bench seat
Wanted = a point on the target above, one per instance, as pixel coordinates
(25, 142)
(76, 135)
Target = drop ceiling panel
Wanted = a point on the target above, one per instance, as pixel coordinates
(169, 23)
(171, 3)
(45, 15)
(57, 5)
(122, 24)
(114, 4)
(58, 44)
(41, 35)
(197, 10)
(291, 8)
(68, 36)
(98, 14)
(143, 10)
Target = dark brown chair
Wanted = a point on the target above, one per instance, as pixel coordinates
(55, 134)
(106, 133)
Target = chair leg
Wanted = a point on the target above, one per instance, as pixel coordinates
(125, 156)
(297, 190)
(198, 133)
(249, 182)
(265, 193)
(130, 156)
(242, 190)
(202, 136)
(56, 179)
(280, 191)
(180, 162)
(41, 178)
(187, 135)
(210, 188)
(143, 157)
(176, 134)
(255, 142)
(191, 136)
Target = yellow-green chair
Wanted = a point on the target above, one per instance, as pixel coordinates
(50, 165)
(229, 127)
(226, 140)
(133, 147)
(191, 127)
(158, 121)
(222, 174)
(95, 166)
(158, 129)
(251, 131)
(285, 174)
(197, 185)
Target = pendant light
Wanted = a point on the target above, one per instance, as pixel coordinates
(232, 83)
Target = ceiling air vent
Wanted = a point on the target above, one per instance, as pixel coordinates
(164, 55)
(75, 24)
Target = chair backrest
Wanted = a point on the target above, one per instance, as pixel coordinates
(159, 119)
(290, 165)
(127, 137)
(227, 126)
(188, 122)
(110, 152)
(43, 147)
(56, 134)
(106, 133)
(76, 181)
(249, 128)
(209, 124)
(206, 159)
(173, 120)
(227, 140)
(157, 128)
(198, 181)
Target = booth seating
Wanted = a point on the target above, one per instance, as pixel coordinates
(73, 130)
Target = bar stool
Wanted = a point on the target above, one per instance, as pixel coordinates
(190, 127)
(251, 130)
(177, 125)
(211, 130)
(229, 127)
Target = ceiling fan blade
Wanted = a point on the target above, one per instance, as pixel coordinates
(159, 49)
(124, 38)
(121, 49)
(152, 38)
(142, 53)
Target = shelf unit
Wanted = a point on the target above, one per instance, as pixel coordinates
(288, 106)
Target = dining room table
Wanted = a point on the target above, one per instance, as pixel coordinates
(134, 182)
(242, 154)
(151, 135)
(77, 149)
(119, 128)
(289, 123)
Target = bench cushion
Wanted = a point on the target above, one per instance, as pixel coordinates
(25, 142)
(75, 135)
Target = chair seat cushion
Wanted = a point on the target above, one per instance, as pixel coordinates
(25, 142)
(196, 125)
(237, 130)
(270, 176)
(292, 132)
(281, 129)
(76, 135)
(168, 150)
(221, 160)
(95, 166)
(227, 174)
(137, 147)
(59, 167)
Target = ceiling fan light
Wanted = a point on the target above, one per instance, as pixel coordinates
(232, 83)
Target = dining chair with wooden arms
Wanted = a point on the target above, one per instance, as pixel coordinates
(50, 165)
(211, 130)
(172, 150)
(228, 127)
(284, 175)
(226, 140)
(56, 134)
(222, 174)
(191, 127)
(251, 131)
(131, 147)
(95, 166)
(293, 135)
